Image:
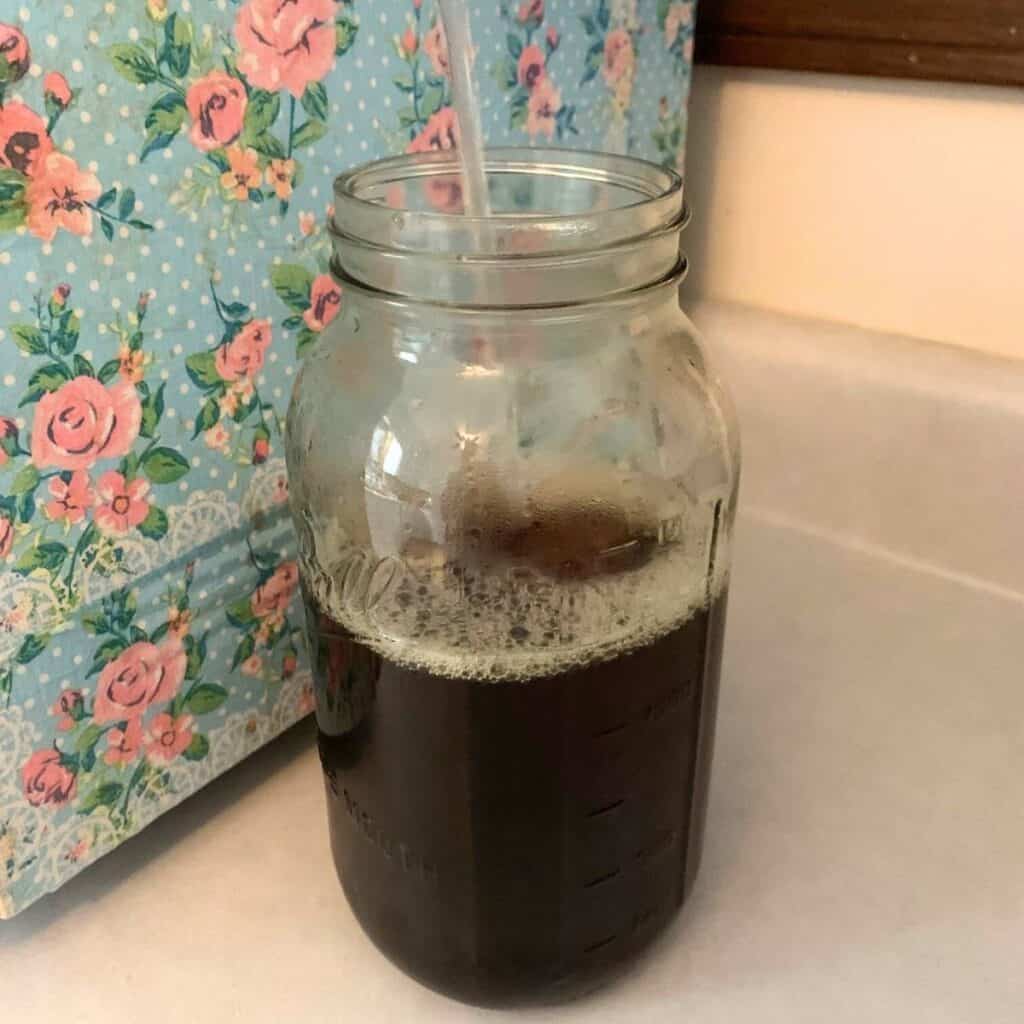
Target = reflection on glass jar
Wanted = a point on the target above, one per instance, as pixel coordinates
(513, 475)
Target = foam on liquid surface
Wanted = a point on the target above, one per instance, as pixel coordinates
(515, 607)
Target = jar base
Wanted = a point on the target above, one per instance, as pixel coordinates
(510, 985)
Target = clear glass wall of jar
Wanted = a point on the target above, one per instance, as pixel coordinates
(513, 474)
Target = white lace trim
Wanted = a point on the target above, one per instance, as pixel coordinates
(32, 604)
(41, 842)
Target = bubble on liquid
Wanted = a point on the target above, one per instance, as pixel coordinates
(565, 579)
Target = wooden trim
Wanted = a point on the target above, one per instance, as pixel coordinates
(954, 40)
(858, 57)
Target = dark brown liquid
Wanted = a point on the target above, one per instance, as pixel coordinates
(516, 841)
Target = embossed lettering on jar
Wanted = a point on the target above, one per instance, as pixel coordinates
(513, 474)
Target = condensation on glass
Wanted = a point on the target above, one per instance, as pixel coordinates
(513, 475)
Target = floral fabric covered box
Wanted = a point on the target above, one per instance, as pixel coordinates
(165, 173)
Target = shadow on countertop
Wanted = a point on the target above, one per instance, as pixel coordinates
(162, 834)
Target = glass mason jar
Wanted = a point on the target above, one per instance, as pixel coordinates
(513, 476)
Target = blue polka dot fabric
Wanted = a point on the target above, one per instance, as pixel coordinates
(165, 176)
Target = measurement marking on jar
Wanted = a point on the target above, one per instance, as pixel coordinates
(610, 732)
(666, 703)
(655, 711)
(603, 878)
(606, 809)
(661, 842)
(594, 947)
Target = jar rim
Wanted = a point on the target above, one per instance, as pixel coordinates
(651, 199)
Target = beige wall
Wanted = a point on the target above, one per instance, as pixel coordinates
(891, 205)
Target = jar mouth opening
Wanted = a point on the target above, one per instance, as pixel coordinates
(546, 201)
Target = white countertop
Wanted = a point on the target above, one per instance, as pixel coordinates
(865, 858)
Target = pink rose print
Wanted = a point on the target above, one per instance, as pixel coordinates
(531, 66)
(289, 663)
(14, 49)
(69, 709)
(440, 132)
(535, 103)
(243, 355)
(545, 103)
(619, 57)
(324, 302)
(131, 365)
(244, 388)
(71, 498)
(84, 421)
(16, 618)
(228, 403)
(273, 597)
(56, 89)
(252, 666)
(24, 142)
(267, 628)
(60, 294)
(281, 175)
(444, 193)
(168, 737)
(286, 44)
(123, 505)
(6, 535)
(244, 173)
(260, 451)
(58, 196)
(136, 710)
(47, 780)
(435, 46)
(307, 223)
(142, 675)
(531, 10)
(123, 744)
(179, 622)
(78, 850)
(280, 493)
(216, 105)
(409, 43)
(217, 437)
